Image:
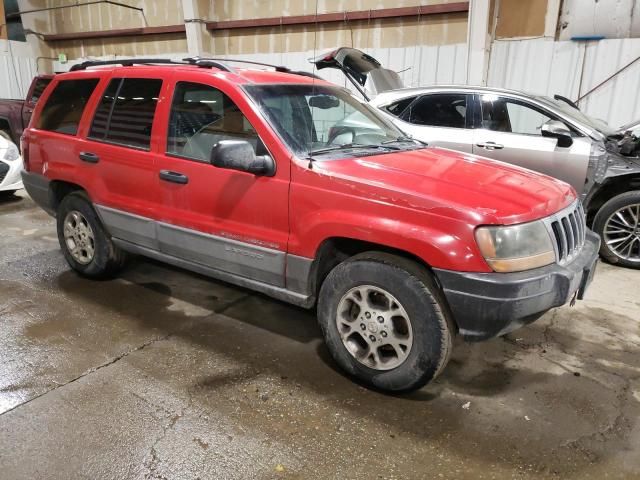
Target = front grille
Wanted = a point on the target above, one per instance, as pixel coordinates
(568, 229)
(4, 168)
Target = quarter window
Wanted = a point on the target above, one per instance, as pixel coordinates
(439, 110)
(503, 115)
(126, 112)
(398, 107)
(65, 105)
(201, 116)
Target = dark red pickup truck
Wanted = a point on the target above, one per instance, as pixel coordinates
(15, 114)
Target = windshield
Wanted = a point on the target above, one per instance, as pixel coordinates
(320, 119)
(579, 116)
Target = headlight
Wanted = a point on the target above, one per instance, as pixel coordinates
(517, 247)
(11, 153)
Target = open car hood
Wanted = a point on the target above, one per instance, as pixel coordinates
(361, 70)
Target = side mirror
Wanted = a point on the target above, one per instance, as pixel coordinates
(239, 155)
(557, 129)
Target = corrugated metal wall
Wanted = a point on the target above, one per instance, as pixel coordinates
(17, 68)
(571, 69)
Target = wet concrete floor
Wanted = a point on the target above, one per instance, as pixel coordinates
(164, 374)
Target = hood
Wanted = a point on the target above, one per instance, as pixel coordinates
(361, 69)
(474, 189)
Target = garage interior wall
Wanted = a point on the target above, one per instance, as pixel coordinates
(524, 38)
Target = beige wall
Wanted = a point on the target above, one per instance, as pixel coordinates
(104, 17)
(429, 30)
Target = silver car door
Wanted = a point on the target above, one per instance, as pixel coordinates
(511, 132)
(440, 119)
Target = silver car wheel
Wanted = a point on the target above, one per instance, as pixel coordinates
(374, 327)
(78, 237)
(622, 233)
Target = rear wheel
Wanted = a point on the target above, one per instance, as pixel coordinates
(385, 321)
(85, 244)
(618, 224)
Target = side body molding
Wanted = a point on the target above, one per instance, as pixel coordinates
(273, 272)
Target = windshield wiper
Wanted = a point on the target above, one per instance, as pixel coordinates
(403, 139)
(347, 146)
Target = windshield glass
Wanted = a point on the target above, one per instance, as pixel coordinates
(318, 119)
(579, 116)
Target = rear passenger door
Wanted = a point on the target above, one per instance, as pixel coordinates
(440, 119)
(232, 221)
(119, 149)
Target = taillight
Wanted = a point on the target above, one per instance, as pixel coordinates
(24, 146)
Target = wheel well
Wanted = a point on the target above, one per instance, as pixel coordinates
(334, 251)
(59, 189)
(615, 186)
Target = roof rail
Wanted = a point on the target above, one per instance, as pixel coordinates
(125, 62)
(204, 61)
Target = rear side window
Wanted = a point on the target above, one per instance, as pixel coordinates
(400, 106)
(38, 88)
(126, 111)
(64, 107)
(439, 110)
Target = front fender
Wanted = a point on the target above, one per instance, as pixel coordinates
(439, 241)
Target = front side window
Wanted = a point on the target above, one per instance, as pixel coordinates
(504, 115)
(313, 118)
(439, 110)
(201, 116)
(64, 107)
(126, 112)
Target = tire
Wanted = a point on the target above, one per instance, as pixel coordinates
(611, 227)
(89, 236)
(420, 300)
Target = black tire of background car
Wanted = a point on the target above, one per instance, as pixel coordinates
(611, 206)
(416, 290)
(108, 259)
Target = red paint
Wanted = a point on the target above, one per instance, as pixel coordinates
(425, 202)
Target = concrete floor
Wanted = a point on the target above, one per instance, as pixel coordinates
(166, 374)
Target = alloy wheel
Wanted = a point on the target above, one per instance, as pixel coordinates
(78, 237)
(374, 327)
(622, 233)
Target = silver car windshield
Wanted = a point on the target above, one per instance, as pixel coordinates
(320, 119)
(578, 116)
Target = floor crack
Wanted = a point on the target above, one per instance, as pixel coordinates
(91, 370)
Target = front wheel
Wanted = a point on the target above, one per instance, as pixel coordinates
(385, 321)
(618, 224)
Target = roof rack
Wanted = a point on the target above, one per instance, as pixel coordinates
(205, 61)
(125, 62)
(201, 62)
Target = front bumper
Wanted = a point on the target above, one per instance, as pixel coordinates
(486, 305)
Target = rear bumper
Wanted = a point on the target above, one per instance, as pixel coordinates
(486, 305)
(37, 186)
(10, 175)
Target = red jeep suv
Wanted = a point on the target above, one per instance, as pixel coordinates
(252, 177)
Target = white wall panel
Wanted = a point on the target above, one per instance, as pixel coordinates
(548, 67)
(17, 68)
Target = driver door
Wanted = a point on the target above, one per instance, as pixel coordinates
(511, 132)
(232, 221)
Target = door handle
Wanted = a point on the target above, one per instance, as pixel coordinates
(490, 146)
(175, 177)
(89, 157)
